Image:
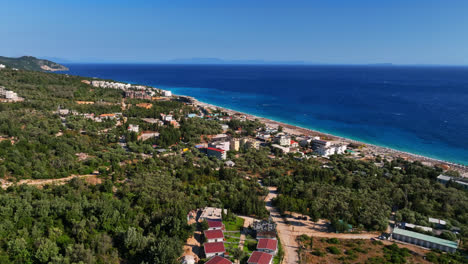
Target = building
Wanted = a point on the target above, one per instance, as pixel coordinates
(214, 249)
(166, 93)
(145, 105)
(234, 144)
(444, 179)
(294, 144)
(264, 225)
(224, 145)
(133, 128)
(283, 149)
(268, 245)
(84, 102)
(258, 257)
(215, 235)
(224, 127)
(215, 225)
(216, 152)
(212, 213)
(107, 116)
(218, 260)
(439, 223)
(250, 143)
(284, 140)
(145, 135)
(424, 240)
(2, 66)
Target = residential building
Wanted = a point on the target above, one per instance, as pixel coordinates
(294, 144)
(216, 152)
(264, 226)
(188, 259)
(268, 245)
(218, 260)
(258, 257)
(214, 249)
(284, 140)
(266, 234)
(215, 235)
(439, 223)
(224, 145)
(166, 93)
(224, 127)
(133, 128)
(2, 66)
(283, 149)
(424, 240)
(215, 225)
(234, 144)
(212, 213)
(250, 143)
(107, 116)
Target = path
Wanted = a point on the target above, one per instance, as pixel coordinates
(286, 236)
(91, 178)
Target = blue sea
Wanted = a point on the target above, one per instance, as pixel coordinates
(422, 110)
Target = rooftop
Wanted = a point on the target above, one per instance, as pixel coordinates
(432, 239)
(266, 243)
(258, 257)
(214, 224)
(215, 247)
(215, 149)
(214, 234)
(218, 260)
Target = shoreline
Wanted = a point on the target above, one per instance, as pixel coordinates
(372, 149)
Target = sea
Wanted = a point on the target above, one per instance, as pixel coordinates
(418, 109)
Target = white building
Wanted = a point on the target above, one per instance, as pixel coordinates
(283, 149)
(166, 93)
(224, 145)
(134, 128)
(2, 66)
(216, 152)
(284, 140)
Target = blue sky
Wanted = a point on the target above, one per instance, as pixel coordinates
(332, 31)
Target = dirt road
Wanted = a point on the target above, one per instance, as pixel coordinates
(91, 178)
(285, 233)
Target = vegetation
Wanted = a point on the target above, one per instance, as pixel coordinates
(31, 64)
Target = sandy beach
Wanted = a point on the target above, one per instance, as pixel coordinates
(369, 150)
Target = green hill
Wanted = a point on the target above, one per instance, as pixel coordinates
(32, 64)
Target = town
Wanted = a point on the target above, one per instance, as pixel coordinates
(284, 218)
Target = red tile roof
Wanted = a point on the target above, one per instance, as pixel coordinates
(215, 149)
(215, 224)
(215, 247)
(214, 234)
(266, 243)
(258, 257)
(218, 260)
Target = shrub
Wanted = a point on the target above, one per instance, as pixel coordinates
(334, 250)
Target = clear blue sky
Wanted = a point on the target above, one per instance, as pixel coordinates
(331, 31)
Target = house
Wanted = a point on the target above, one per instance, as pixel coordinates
(224, 127)
(215, 235)
(212, 213)
(229, 163)
(214, 249)
(145, 105)
(424, 240)
(268, 245)
(218, 260)
(216, 152)
(166, 93)
(2, 66)
(294, 144)
(264, 226)
(174, 123)
(215, 225)
(439, 223)
(258, 257)
(133, 128)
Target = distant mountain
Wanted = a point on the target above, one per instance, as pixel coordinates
(32, 64)
(222, 61)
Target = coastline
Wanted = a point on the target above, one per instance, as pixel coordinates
(371, 150)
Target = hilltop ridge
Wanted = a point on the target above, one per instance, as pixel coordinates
(32, 64)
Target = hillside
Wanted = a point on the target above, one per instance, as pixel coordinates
(32, 64)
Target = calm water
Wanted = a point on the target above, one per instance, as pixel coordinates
(423, 110)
